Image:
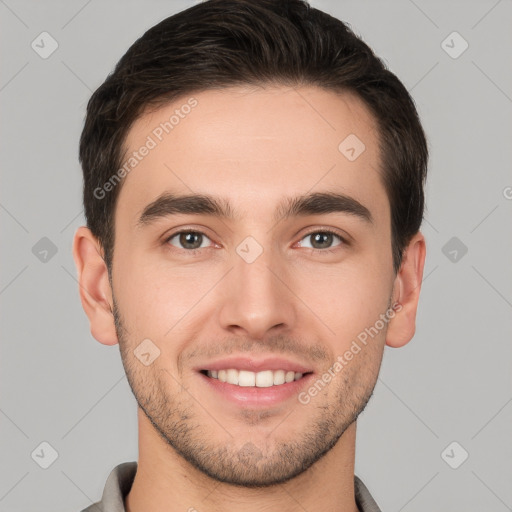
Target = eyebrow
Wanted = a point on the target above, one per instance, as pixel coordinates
(317, 203)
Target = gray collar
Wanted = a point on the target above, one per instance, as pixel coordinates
(120, 480)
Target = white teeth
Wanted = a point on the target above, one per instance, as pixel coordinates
(262, 379)
(279, 377)
(245, 378)
(232, 376)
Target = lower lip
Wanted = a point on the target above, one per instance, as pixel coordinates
(254, 396)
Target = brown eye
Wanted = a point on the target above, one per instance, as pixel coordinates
(188, 240)
(322, 240)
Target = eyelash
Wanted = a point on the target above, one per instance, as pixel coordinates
(193, 252)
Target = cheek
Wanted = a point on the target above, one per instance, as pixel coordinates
(143, 298)
(348, 299)
(160, 300)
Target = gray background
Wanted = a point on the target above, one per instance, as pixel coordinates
(451, 383)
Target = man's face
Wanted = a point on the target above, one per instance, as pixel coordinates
(258, 294)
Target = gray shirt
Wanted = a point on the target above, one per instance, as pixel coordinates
(120, 480)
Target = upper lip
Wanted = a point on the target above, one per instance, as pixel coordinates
(255, 365)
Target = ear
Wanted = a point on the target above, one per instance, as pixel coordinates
(406, 293)
(95, 291)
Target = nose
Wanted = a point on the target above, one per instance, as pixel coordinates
(256, 297)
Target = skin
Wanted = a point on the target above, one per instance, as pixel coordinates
(252, 146)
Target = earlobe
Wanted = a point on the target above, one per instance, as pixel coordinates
(94, 286)
(406, 293)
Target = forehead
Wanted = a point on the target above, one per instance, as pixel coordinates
(253, 146)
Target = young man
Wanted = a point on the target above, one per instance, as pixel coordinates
(253, 189)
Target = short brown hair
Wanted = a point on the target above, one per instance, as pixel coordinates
(220, 43)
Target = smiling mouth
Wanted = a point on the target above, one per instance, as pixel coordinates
(262, 379)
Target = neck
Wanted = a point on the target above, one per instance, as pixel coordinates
(166, 482)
